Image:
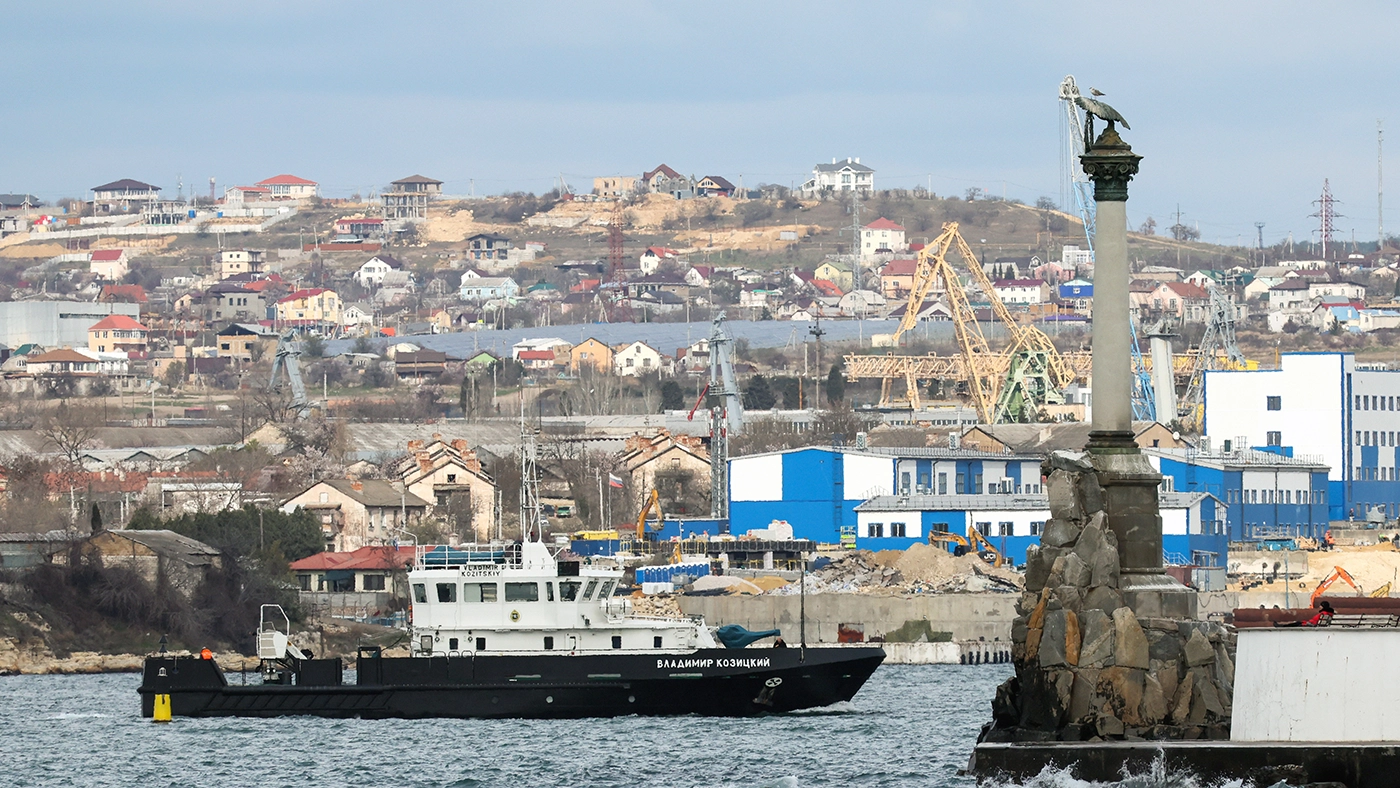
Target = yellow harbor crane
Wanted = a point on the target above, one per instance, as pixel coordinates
(1011, 385)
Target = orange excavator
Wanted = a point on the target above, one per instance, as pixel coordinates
(1338, 573)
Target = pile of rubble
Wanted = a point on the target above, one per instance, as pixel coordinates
(922, 569)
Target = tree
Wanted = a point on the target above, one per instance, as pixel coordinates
(672, 398)
(313, 346)
(70, 431)
(1148, 227)
(361, 345)
(1182, 232)
(758, 395)
(174, 375)
(836, 384)
(1046, 204)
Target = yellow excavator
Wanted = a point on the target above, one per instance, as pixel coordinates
(979, 543)
(653, 504)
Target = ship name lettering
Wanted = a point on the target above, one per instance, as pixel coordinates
(674, 664)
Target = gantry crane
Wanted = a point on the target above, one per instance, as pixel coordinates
(1009, 386)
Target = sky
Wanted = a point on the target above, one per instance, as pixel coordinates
(1240, 109)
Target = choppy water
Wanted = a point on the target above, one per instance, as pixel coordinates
(910, 726)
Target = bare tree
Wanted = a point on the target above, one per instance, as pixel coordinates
(70, 431)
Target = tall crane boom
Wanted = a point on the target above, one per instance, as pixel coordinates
(288, 360)
(726, 416)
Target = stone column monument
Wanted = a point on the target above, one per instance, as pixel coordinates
(1129, 483)
(1106, 645)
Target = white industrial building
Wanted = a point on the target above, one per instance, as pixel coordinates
(1321, 405)
(55, 324)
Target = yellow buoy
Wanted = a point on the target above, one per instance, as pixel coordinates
(162, 709)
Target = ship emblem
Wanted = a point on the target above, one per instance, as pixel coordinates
(773, 682)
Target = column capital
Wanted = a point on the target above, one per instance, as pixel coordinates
(1110, 163)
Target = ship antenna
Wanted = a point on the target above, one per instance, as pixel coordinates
(531, 515)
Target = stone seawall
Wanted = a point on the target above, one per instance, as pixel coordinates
(984, 617)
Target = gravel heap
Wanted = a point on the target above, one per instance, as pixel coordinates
(922, 569)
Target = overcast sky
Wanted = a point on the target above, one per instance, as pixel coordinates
(1241, 109)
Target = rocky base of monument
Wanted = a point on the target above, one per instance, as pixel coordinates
(1087, 667)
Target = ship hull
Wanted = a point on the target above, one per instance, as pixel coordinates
(707, 682)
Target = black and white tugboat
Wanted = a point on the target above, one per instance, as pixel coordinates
(510, 630)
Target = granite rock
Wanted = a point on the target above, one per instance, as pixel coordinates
(1099, 635)
(1130, 644)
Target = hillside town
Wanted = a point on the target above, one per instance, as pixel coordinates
(371, 367)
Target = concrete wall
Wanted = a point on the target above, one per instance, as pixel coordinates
(966, 616)
(1316, 685)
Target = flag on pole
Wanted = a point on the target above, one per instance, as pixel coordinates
(613, 481)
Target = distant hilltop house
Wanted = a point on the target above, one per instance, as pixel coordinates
(19, 202)
(123, 195)
(108, 264)
(238, 195)
(714, 185)
(488, 246)
(664, 180)
(615, 186)
(359, 227)
(840, 176)
(289, 187)
(408, 198)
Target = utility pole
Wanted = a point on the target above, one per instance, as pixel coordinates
(1177, 234)
(1380, 188)
(1259, 226)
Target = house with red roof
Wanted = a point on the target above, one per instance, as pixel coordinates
(897, 278)
(1182, 300)
(289, 187)
(372, 569)
(664, 180)
(127, 294)
(881, 236)
(538, 359)
(654, 256)
(109, 264)
(118, 334)
(310, 307)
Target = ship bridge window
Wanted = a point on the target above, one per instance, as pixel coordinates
(568, 590)
(549, 591)
(589, 589)
(447, 592)
(606, 591)
(480, 592)
(522, 592)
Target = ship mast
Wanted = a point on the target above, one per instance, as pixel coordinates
(532, 520)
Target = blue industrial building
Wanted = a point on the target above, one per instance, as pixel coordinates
(1192, 531)
(816, 489)
(1264, 494)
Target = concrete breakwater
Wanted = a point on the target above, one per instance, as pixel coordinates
(961, 618)
(24, 659)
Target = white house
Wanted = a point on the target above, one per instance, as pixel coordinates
(289, 187)
(554, 345)
(1072, 256)
(1022, 291)
(840, 176)
(109, 264)
(356, 315)
(637, 359)
(488, 288)
(881, 236)
(861, 303)
(372, 273)
(654, 256)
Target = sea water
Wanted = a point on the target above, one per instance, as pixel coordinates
(910, 726)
